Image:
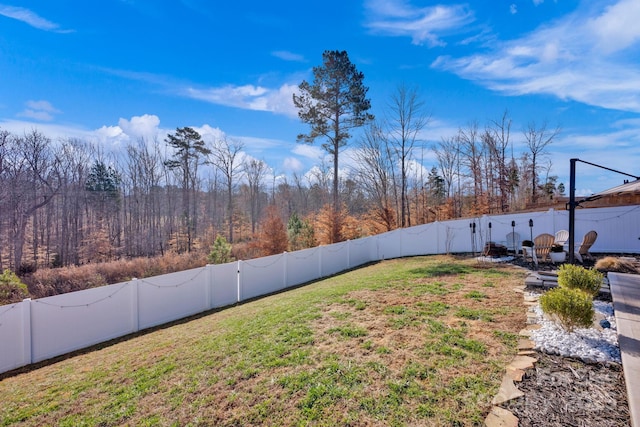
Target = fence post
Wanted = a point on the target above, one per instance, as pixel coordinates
(238, 280)
(135, 316)
(208, 284)
(284, 270)
(27, 352)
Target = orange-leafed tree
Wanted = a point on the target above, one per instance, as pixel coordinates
(272, 238)
(330, 224)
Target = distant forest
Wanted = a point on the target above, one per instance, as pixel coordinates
(66, 203)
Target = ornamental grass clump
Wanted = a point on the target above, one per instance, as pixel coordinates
(570, 308)
(576, 277)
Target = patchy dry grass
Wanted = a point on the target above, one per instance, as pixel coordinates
(418, 341)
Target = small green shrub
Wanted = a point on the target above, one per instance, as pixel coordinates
(220, 251)
(570, 308)
(576, 277)
(11, 288)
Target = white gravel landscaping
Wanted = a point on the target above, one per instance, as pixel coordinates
(595, 344)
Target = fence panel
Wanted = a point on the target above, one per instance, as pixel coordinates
(420, 240)
(360, 251)
(390, 244)
(224, 284)
(335, 258)
(172, 296)
(36, 330)
(455, 236)
(13, 336)
(262, 276)
(618, 228)
(68, 322)
(303, 266)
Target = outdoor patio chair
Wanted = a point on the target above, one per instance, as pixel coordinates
(587, 241)
(561, 237)
(542, 245)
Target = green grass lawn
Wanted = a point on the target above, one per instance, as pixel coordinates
(416, 341)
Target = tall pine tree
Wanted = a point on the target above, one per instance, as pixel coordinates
(332, 105)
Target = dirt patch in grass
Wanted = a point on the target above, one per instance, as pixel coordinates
(444, 334)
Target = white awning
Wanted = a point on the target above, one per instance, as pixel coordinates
(629, 187)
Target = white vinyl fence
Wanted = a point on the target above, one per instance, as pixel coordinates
(36, 330)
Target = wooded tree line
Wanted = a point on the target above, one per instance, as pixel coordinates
(66, 202)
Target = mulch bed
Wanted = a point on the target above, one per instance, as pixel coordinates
(561, 391)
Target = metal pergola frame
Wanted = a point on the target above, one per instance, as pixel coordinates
(573, 204)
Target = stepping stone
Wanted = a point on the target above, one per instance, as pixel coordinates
(500, 417)
(532, 321)
(596, 321)
(526, 352)
(508, 391)
(526, 332)
(548, 274)
(532, 281)
(515, 374)
(531, 298)
(522, 362)
(525, 344)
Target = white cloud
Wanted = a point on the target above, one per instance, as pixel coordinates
(309, 151)
(538, 2)
(617, 27)
(423, 24)
(285, 55)
(39, 110)
(513, 9)
(250, 97)
(42, 105)
(291, 164)
(30, 18)
(580, 57)
(109, 132)
(145, 126)
(52, 131)
(599, 148)
(36, 115)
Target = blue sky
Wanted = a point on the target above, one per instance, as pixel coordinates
(116, 70)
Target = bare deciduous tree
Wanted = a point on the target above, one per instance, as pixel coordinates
(537, 140)
(405, 120)
(225, 156)
(35, 177)
(374, 169)
(254, 171)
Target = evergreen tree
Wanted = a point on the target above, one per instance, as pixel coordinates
(220, 251)
(332, 105)
(189, 152)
